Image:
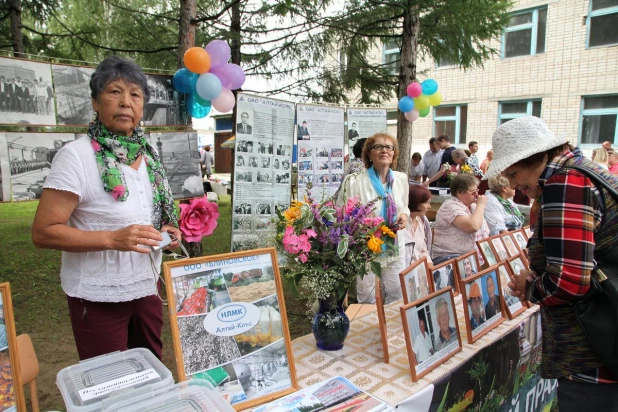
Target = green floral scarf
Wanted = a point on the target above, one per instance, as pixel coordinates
(111, 149)
(513, 212)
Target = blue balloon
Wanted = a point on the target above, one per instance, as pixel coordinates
(406, 104)
(430, 86)
(184, 81)
(208, 86)
(195, 106)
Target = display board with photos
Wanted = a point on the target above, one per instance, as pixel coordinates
(229, 325)
(364, 122)
(513, 306)
(482, 302)
(498, 248)
(484, 246)
(467, 265)
(11, 389)
(512, 248)
(415, 281)
(443, 276)
(431, 331)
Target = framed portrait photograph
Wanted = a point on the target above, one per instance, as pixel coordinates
(520, 238)
(517, 263)
(487, 252)
(528, 231)
(415, 282)
(467, 265)
(497, 246)
(11, 389)
(512, 305)
(482, 304)
(229, 325)
(443, 276)
(431, 331)
(511, 247)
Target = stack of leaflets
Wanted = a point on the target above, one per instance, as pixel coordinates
(333, 395)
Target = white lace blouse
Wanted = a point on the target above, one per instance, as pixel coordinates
(110, 275)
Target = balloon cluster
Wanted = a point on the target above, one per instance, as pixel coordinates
(209, 79)
(419, 99)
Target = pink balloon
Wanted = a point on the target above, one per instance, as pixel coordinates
(412, 115)
(232, 76)
(225, 101)
(414, 89)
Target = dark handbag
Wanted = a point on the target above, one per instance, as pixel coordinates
(597, 311)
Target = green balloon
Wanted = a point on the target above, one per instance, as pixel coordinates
(424, 112)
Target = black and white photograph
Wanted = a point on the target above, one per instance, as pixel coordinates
(245, 242)
(26, 93)
(244, 146)
(482, 303)
(264, 177)
(281, 207)
(243, 209)
(284, 150)
(282, 178)
(337, 165)
(305, 152)
(263, 208)
(30, 158)
(181, 161)
(246, 177)
(336, 153)
(513, 305)
(276, 164)
(511, 247)
(240, 161)
(246, 123)
(252, 161)
(5, 170)
(73, 99)
(305, 179)
(414, 281)
(265, 148)
(517, 265)
(268, 330)
(200, 349)
(199, 293)
(443, 275)
(265, 162)
(498, 248)
(431, 332)
(322, 153)
(305, 165)
(166, 106)
(242, 223)
(467, 264)
(487, 252)
(263, 223)
(520, 239)
(322, 165)
(285, 164)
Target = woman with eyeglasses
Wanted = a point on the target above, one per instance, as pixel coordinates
(459, 221)
(379, 180)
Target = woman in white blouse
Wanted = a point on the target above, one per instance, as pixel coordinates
(378, 179)
(104, 204)
(501, 213)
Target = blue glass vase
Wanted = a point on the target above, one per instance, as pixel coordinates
(330, 324)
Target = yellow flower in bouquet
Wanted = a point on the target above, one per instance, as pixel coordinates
(466, 169)
(293, 212)
(375, 244)
(388, 232)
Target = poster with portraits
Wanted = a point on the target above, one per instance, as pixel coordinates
(262, 167)
(11, 389)
(363, 123)
(320, 135)
(512, 304)
(482, 302)
(415, 282)
(26, 93)
(431, 331)
(229, 325)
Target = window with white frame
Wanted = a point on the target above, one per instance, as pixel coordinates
(525, 33)
(602, 23)
(392, 56)
(512, 110)
(599, 119)
(342, 61)
(452, 121)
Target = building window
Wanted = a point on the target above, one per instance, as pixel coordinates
(599, 119)
(446, 62)
(525, 33)
(602, 23)
(452, 121)
(342, 61)
(392, 56)
(513, 110)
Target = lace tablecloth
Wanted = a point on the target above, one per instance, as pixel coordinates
(361, 359)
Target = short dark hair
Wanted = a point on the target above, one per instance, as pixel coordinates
(472, 143)
(357, 149)
(432, 140)
(418, 194)
(421, 316)
(417, 156)
(118, 68)
(444, 137)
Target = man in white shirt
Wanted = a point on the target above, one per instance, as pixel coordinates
(415, 172)
(473, 147)
(431, 161)
(422, 348)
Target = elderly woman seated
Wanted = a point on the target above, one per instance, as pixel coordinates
(501, 213)
(460, 221)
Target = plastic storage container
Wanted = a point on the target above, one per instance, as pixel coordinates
(192, 395)
(92, 384)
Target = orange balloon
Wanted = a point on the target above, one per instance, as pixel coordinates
(197, 60)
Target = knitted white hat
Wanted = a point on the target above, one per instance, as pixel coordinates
(519, 139)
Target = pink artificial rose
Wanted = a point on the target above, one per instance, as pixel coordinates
(351, 205)
(303, 243)
(311, 233)
(290, 241)
(118, 192)
(373, 221)
(198, 219)
(95, 145)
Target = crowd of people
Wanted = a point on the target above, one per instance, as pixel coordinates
(25, 95)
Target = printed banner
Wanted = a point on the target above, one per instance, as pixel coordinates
(364, 123)
(320, 133)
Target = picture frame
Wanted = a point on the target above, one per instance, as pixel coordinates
(11, 387)
(481, 313)
(428, 350)
(467, 265)
(528, 231)
(229, 325)
(512, 265)
(512, 248)
(444, 275)
(520, 239)
(498, 247)
(382, 322)
(412, 284)
(512, 305)
(484, 246)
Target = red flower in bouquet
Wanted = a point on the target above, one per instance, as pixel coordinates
(198, 219)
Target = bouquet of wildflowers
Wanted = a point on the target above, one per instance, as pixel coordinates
(327, 246)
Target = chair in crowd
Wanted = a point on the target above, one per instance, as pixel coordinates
(29, 365)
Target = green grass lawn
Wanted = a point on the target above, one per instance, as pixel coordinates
(40, 306)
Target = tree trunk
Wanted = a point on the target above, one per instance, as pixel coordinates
(407, 74)
(186, 35)
(18, 41)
